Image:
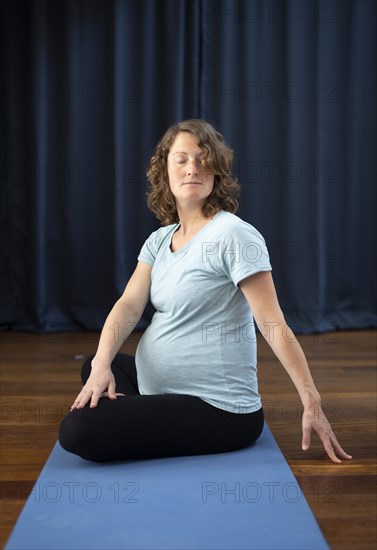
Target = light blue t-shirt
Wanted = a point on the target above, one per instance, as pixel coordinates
(201, 340)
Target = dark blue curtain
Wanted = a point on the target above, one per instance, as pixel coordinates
(87, 89)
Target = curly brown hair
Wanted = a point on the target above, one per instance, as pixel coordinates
(217, 160)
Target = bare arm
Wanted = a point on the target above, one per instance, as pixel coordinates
(259, 290)
(119, 324)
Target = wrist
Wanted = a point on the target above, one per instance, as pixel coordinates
(311, 399)
(100, 363)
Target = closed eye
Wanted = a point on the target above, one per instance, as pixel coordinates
(180, 159)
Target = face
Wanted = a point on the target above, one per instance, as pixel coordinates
(189, 182)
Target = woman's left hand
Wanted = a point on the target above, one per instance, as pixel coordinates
(314, 419)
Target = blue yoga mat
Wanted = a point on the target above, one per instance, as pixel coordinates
(247, 499)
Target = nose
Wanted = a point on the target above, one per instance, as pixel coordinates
(193, 167)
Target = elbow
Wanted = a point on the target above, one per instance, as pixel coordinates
(270, 324)
(129, 310)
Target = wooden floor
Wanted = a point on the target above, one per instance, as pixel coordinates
(40, 377)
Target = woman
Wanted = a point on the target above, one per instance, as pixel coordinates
(193, 389)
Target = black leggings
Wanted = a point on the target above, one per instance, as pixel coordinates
(150, 426)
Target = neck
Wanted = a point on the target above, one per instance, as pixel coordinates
(190, 219)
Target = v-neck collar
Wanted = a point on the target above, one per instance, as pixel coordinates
(189, 243)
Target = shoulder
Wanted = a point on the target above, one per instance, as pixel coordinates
(162, 233)
(154, 243)
(238, 249)
(231, 226)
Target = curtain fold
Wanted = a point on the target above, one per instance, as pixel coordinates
(89, 87)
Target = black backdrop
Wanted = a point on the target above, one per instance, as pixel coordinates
(87, 89)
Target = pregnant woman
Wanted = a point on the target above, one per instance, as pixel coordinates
(192, 387)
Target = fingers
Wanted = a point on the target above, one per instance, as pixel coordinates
(323, 429)
(111, 390)
(330, 450)
(84, 397)
(81, 400)
(105, 394)
(305, 438)
(110, 394)
(330, 444)
(94, 396)
(334, 450)
(343, 453)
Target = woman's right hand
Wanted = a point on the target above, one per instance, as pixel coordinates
(100, 381)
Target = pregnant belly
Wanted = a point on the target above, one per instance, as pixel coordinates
(169, 362)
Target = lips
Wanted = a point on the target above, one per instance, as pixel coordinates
(192, 183)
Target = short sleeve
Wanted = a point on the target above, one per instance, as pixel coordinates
(155, 243)
(149, 249)
(243, 252)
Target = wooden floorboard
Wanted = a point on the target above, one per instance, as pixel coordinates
(40, 377)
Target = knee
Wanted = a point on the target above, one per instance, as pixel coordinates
(79, 433)
(69, 433)
(75, 434)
